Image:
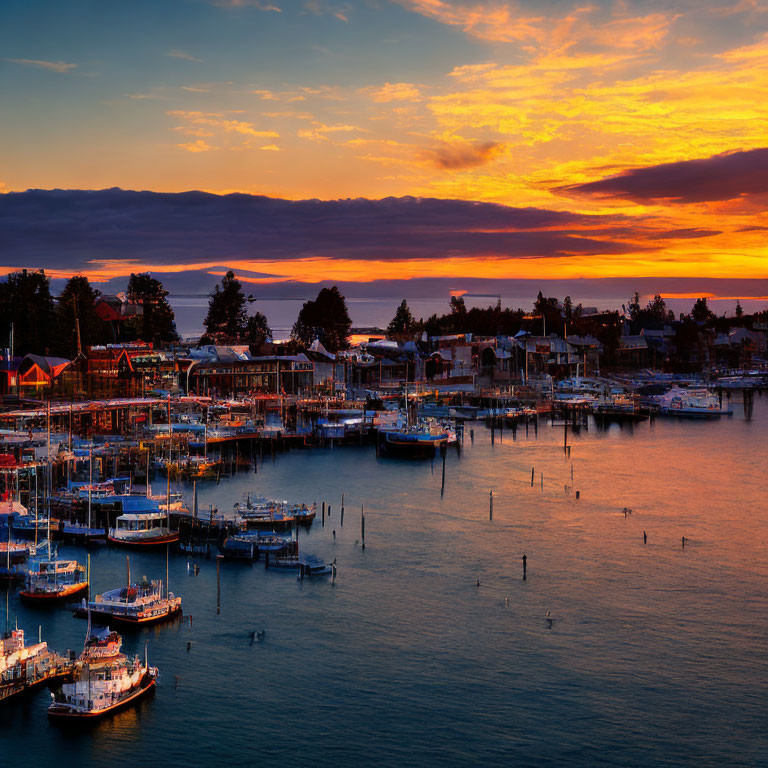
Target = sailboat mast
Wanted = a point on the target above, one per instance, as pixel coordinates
(88, 576)
(90, 484)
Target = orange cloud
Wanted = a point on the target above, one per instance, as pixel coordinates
(396, 92)
(197, 146)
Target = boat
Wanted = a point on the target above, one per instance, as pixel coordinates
(14, 552)
(418, 441)
(142, 524)
(695, 403)
(55, 580)
(30, 525)
(105, 680)
(249, 546)
(80, 532)
(25, 666)
(310, 565)
(136, 604)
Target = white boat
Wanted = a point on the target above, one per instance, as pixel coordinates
(55, 579)
(696, 403)
(24, 666)
(105, 680)
(133, 605)
(142, 524)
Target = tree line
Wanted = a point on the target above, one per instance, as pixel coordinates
(67, 325)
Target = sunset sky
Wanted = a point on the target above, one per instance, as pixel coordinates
(622, 138)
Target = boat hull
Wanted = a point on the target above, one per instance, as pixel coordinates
(53, 597)
(64, 716)
(170, 538)
(127, 621)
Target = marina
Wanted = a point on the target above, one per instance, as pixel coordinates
(414, 599)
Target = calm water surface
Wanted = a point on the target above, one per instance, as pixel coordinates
(655, 655)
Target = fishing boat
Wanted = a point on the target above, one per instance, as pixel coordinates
(54, 580)
(694, 403)
(136, 604)
(142, 524)
(25, 666)
(105, 681)
(420, 441)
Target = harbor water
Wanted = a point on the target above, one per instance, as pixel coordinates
(430, 648)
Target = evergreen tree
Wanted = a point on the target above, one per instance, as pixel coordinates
(227, 318)
(326, 318)
(257, 330)
(458, 307)
(27, 304)
(739, 310)
(568, 309)
(403, 321)
(75, 315)
(701, 312)
(157, 321)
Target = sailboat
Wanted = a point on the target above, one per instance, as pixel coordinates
(54, 579)
(78, 531)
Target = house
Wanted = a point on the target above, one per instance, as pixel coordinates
(36, 373)
(231, 371)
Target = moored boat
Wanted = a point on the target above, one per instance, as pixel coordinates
(24, 666)
(54, 580)
(142, 524)
(105, 680)
(693, 403)
(135, 604)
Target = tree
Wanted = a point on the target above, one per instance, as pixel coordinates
(227, 318)
(157, 322)
(403, 321)
(548, 309)
(657, 309)
(568, 309)
(257, 331)
(458, 307)
(739, 310)
(78, 324)
(326, 318)
(634, 306)
(27, 305)
(701, 312)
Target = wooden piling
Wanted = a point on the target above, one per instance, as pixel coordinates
(362, 524)
(442, 486)
(218, 583)
(533, 475)
(342, 510)
(323, 514)
(490, 505)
